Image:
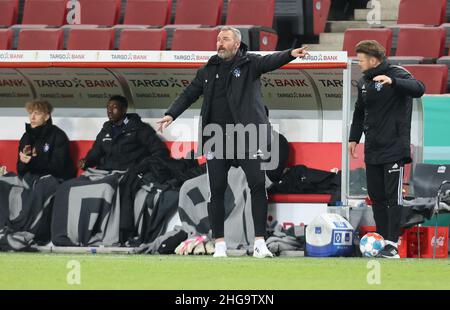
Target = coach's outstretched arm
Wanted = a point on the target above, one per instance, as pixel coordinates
(264, 64)
(183, 101)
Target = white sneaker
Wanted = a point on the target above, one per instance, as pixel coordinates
(3, 171)
(220, 249)
(260, 249)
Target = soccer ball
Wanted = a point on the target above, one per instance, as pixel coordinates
(371, 244)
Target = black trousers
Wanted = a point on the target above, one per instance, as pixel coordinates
(218, 181)
(385, 184)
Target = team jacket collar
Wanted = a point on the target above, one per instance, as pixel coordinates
(379, 70)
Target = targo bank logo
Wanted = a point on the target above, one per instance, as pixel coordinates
(283, 82)
(165, 83)
(76, 83)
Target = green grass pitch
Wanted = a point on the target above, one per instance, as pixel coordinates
(99, 271)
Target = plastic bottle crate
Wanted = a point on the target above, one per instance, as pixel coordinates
(403, 245)
(427, 240)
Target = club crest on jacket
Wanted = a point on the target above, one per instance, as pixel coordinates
(237, 72)
(378, 86)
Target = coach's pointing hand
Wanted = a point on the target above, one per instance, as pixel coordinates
(299, 52)
(164, 122)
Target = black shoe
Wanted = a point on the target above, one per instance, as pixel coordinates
(389, 251)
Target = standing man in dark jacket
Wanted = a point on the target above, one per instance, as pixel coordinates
(383, 112)
(124, 141)
(231, 87)
(44, 148)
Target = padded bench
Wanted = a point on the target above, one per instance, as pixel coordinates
(323, 156)
(290, 208)
(317, 155)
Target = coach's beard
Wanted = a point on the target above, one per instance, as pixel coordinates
(226, 55)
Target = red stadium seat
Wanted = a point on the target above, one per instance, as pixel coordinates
(353, 36)
(44, 12)
(91, 39)
(429, 12)
(100, 12)
(5, 39)
(254, 18)
(421, 41)
(148, 12)
(9, 10)
(40, 39)
(143, 39)
(194, 13)
(195, 39)
(251, 12)
(320, 15)
(206, 12)
(433, 76)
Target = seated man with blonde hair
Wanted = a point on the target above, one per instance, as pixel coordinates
(43, 163)
(44, 147)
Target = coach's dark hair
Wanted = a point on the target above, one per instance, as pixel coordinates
(371, 48)
(121, 100)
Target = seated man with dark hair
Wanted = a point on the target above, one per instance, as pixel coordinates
(43, 162)
(98, 207)
(124, 140)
